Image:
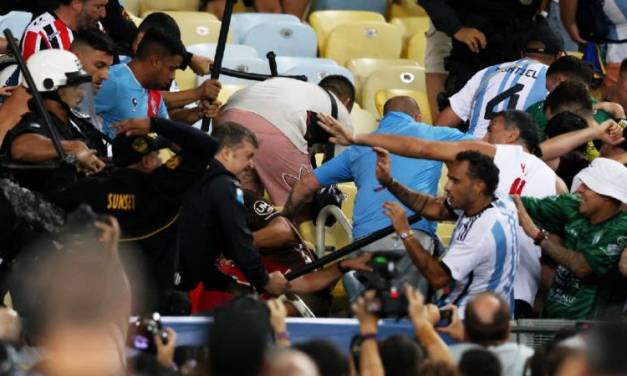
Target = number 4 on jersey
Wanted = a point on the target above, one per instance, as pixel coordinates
(511, 94)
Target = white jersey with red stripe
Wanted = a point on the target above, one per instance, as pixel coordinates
(45, 32)
(524, 174)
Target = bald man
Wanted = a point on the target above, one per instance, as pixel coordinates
(486, 325)
(357, 163)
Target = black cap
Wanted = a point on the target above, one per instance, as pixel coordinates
(542, 33)
(128, 150)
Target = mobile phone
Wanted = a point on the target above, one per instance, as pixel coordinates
(446, 316)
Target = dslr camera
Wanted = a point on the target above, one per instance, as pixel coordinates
(389, 301)
(142, 332)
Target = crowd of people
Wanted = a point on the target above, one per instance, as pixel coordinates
(114, 204)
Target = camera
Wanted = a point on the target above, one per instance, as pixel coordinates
(389, 301)
(142, 332)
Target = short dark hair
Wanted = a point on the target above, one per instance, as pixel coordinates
(329, 359)
(339, 85)
(481, 167)
(156, 42)
(573, 69)
(527, 128)
(161, 21)
(231, 134)
(487, 333)
(401, 355)
(95, 39)
(479, 362)
(569, 96)
(565, 122)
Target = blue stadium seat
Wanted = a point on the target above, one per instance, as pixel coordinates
(244, 64)
(241, 23)
(232, 51)
(285, 63)
(317, 72)
(285, 38)
(379, 6)
(16, 22)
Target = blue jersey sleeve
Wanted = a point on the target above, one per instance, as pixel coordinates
(163, 110)
(432, 133)
(336, 170)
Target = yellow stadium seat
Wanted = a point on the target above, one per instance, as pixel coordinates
(420, 97)
(136, 20)
(146, 6)
(406, 8)
(577, 54)
(413, 27)
(443, 180)
(185, 79)
(417, 47)
(364, 39)
(363, 67)
(325, 21)
(131, 6)
(227, 91)
(363, 121)
(407, 77)
(445, 232)
(198, 27)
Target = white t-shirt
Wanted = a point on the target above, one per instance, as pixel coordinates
(514, 85)
(483, 255)
(616, 11)
(284, 102)
(524, 174)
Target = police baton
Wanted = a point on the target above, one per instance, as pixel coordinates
(217, 60)
(352, 247)
(39, 103)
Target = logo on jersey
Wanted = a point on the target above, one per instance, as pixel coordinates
(134, 102)
(263, 209)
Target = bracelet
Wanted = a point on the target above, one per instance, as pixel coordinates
(281, 336)
(342, 269)
(406, 235)
(368, 336)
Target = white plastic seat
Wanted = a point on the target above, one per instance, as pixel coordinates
(315, 73)
(231, 51)
(245, 64)
(241, 23)
(284, 38)
(16, 22)
(285, 63)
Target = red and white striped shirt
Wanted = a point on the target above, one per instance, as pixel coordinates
(45, 32)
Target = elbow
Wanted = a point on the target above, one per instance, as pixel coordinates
(440, 280)
(582, 271)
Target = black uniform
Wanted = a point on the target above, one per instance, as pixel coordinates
(147, 204)
(46, 181)
(505, 24)
(213, 222)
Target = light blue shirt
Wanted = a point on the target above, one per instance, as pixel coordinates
(357, 163)
(122, 97)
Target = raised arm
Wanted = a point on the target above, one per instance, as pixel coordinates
(405, 146)
(556, 147)
(302, 194)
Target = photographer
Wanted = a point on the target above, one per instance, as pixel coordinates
(486, 325)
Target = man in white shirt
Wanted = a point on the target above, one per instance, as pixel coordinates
(282, 113)
(483, 255)
(513, 138)
(509, 86)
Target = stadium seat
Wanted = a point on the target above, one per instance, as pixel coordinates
(231, 51)
(445, 232)
(364, 39)
(146, 6)
(227, 91)
(419, 96)
(406, 8)
(284, 38)
(16, 22)
(363, 67)
(198, 27)
(136, 20)
(414, 28)
(363, 121)
(325, 21)
(131, 6)
(577, 54)
(285, 63)
(244, 64)
(241, 23)
(417, 47)
(409, 77)
(379, 6)
(317, 72)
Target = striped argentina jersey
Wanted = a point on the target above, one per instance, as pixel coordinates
(46, 32)
(509, 86)
(483, 255)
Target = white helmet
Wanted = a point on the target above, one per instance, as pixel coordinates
(52, 69)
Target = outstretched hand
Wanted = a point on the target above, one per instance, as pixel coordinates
(383, 166)
(340, 134)
(133, 127)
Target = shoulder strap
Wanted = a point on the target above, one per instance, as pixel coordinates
(333, 104)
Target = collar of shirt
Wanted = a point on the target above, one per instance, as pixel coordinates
(394, 119)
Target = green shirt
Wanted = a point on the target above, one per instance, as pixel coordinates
(571, 297)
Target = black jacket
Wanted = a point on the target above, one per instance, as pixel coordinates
(213, 222)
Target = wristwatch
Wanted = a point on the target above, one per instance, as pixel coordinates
(406, 234)
(541, 236)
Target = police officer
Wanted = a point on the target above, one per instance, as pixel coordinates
(484, 33)
(212, 221)
(145, 196)
(59, 77)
